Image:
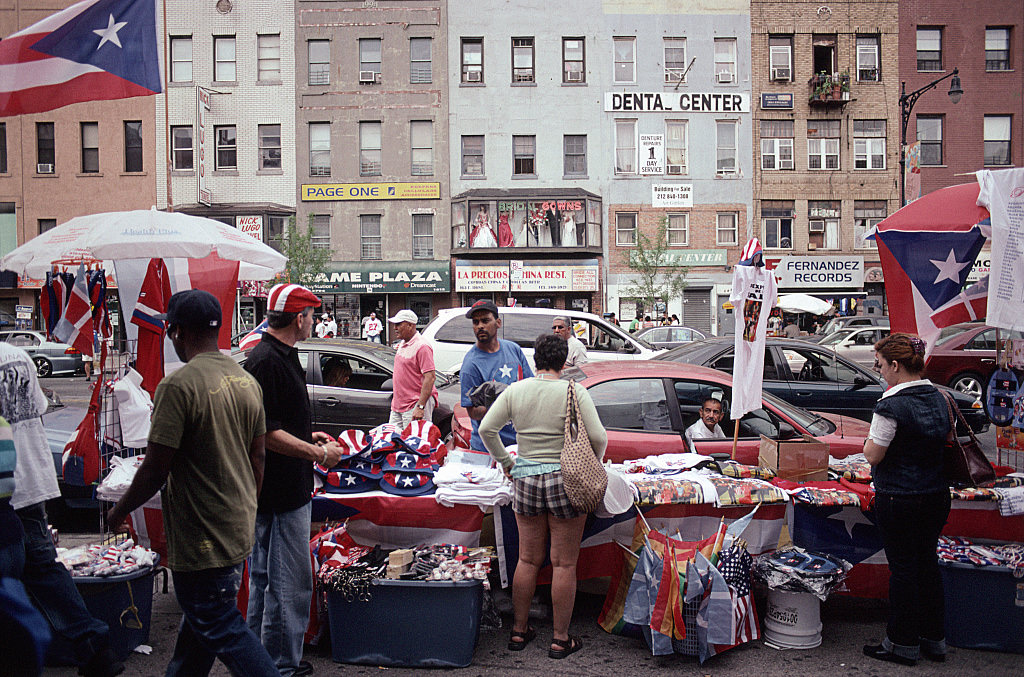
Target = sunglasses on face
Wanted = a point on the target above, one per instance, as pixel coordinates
(557, 327)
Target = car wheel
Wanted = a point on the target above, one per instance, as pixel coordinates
(968, 383)
(43, 366)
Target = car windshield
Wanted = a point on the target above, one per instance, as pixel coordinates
(830, 326)
(835, 337)
(947, 334)
(697, 352)
(814, 424)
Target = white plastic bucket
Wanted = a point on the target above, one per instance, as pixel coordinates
(792, 620)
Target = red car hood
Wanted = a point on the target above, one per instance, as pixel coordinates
(848, 437)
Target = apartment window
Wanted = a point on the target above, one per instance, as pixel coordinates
(823, 53)
(224, 58)
(929, 133)
(726, 147)
(777, 223)
(3, 147)
(625, 229)
(321, 231)
(726, 228)
(90, 147)
(575, 154)
(370, 55)
(277, 226)
(823, 144)
(574, 64)
(780, 57)
(524, 156)
(678, 230)
(624, 53)
(997, 140)
(369, 237)
(929, 49)
(472, 59)
(181, 58)
(866, 215)
(45, 154)
(823, 224)
(522, 60)
(46, 224)
(319, 61)
(473, 156)
(725, 60)
(625, 146)
(675, 147)
(869, 144)
(270, 146)
(422, 236)
(181, 147)
(868, 58)
(133, 145)
(268, 58)
(421, 133)
(226, 148)
(420, 65)
(776, 144)
(319, 149)
(997, 49)
(675, 59)
(369, 149)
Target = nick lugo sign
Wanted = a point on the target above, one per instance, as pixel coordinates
(689, 102)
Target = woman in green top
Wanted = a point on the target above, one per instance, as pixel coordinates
(536, 407)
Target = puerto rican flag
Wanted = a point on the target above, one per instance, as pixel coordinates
(969, 305)
(152, 301)
(250, 340)
(95, 50)
(927, 249)
(75, 325)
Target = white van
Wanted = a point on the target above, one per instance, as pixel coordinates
(452, 336)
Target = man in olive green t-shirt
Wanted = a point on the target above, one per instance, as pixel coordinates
(206, 442)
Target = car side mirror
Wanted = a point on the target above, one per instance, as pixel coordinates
(629, 348)
(786, 431)
(860, 382)
(388, 385)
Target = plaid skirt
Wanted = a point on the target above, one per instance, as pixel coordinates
(540, 494)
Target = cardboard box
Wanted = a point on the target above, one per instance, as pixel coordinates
(400, 557)
(798, 460)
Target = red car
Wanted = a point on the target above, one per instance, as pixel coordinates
(646, 407)
(964, 357)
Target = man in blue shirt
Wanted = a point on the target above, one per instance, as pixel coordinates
(490, 359)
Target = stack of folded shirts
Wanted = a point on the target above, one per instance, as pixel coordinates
(470, 484)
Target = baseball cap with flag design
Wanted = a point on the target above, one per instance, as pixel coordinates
(291, 298)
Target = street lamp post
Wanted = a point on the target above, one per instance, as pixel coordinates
(907, 102)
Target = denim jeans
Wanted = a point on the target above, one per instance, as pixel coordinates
(910, 526)
(212, 627)
(50, 586)
(281, 584)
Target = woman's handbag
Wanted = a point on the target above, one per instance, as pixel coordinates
(583, 476)
(964, 464)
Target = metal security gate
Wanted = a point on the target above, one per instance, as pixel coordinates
(697, 309)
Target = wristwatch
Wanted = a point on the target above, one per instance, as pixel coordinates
(418, 406)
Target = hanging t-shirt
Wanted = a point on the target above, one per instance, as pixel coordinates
(507, 365)
(1002, 193)
(753, 291)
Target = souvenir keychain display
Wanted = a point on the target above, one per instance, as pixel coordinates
(1002, 393)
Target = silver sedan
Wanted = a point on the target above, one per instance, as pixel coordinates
(50, 357)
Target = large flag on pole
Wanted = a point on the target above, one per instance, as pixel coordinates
(94, 50)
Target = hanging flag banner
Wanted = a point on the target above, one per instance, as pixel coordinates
(202, 108)
(912, 179)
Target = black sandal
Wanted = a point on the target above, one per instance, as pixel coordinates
(517, 641)
(569, 647)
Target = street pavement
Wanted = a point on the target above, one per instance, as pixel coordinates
(847, 624)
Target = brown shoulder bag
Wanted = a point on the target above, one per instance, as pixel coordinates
(964, 464)
(583, 476)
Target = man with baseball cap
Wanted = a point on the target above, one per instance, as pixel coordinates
(414, 391)
(206, 443)
(280, 578)
(490, 359)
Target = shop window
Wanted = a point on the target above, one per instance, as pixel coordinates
(181, 147)
(420, 63)
(319, 55)
(674, 50)
(224, 67)
(866, 215)
(929, 133)
(227, 150)
(823, 144)
(181, 58)
(133, 145)
(823, 224)
(624, 55)
(574, 65)
(625, 229)
(522, 60)
(869, 144)
(90, 147)
(422, 236)
(472, 60)
(776, 145)
(369, 237)
(270, 146)
(929, 49)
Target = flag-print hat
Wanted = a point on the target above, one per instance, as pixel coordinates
(291, 298)
(407, 484)
(347, 482)
(405, 462)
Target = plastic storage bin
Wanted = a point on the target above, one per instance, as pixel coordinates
(984, 607)
(408, 624)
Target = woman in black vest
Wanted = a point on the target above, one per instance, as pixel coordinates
(905, 448)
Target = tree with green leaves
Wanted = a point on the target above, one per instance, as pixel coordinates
(305, 260)
(657, 277)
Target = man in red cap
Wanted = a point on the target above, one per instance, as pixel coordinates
(280, 578)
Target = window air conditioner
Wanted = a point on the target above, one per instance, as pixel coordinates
(675, 169)
(781, 73)
(44, 169)
(785, 164)
(724, 77)
(574, 76)
(367, 76)
(816, 227)
(473, 76)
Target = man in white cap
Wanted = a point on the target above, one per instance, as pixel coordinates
(321, 326)
(280, 578)
(414, 373)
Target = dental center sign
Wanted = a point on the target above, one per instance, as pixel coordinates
(687, 102)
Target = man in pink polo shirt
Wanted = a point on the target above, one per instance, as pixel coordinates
(414, 373)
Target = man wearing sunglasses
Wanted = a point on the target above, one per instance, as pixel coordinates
(577, 351)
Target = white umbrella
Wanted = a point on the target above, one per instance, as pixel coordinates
(804, 303)
(143, 234)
